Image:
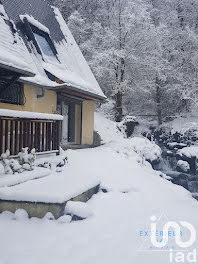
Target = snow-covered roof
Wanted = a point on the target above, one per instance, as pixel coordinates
(13, 52)
(73, 59)
(70, 67)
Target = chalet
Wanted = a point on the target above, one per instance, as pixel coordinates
(47, 90)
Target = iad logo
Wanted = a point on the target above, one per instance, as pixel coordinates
(177, 256)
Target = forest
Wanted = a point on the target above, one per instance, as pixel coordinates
(144, 53)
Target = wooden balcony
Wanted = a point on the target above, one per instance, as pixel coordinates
(19, 132)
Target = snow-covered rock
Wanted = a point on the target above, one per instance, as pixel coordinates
(79, 209)
(189, 152)
(65, 219)
(49, 216)
(21, 214)
(7, 215)
(183, 166)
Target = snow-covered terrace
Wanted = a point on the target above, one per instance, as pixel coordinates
(44, 190)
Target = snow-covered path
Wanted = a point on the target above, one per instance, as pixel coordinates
(114, 233)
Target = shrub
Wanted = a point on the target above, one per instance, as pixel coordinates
(25, 161)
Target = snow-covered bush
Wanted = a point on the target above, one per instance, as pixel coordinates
(27, 160)
(11, 166)
(127, 125)
(146, 149)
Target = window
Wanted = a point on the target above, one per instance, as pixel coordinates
(42, 41)
(11, 91)
(44, 45)
(13, 94)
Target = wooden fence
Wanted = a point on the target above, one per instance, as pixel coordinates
(17, 133)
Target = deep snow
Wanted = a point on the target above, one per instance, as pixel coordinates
(112, 234)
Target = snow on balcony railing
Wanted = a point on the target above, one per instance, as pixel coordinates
(19, 129)
(29, 115)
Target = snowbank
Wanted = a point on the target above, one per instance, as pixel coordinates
(146, 149)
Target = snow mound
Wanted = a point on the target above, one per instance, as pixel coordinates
(189, 152)
(146, 149)
(21, 214)
(65, 219)
(7, 215)
(79, 209)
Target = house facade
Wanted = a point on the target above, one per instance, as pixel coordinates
(47, 90)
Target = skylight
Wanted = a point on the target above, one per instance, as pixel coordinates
(45, 47)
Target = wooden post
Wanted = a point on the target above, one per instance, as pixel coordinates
(1, 136)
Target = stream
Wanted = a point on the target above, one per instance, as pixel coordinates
(168, 165)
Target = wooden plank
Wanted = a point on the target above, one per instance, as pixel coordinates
(11, 137)
(35, 137)
(46, 137)
(1, 136)
(32, 135)
(20, 136)
(39, 136)
(43, 136)
(53, 136)
(16, 138)
(24, 134)
(28, 134)
(57, 135)
(6, 135)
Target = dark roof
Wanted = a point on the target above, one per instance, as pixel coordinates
(39, 9)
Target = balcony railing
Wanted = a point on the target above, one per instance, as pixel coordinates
(17, 133)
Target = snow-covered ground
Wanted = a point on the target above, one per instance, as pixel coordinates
(117, 231)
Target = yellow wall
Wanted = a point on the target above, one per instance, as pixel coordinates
(87, 122)
(46, 104)
(78, 124)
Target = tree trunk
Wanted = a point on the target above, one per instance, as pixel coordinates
(118, 101)
(158, 100)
